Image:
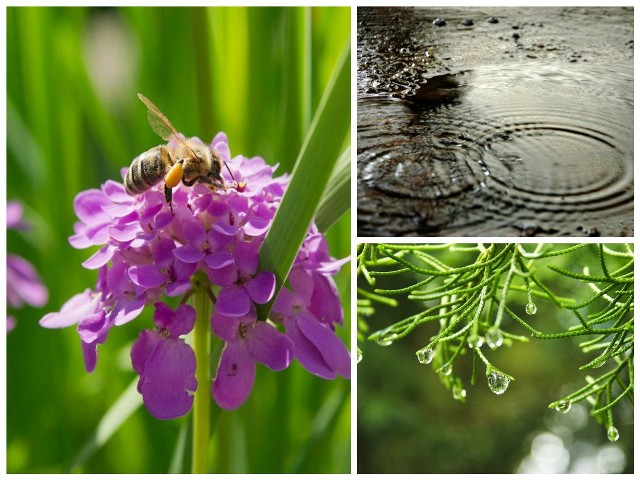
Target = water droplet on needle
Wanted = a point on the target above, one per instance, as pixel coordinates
(498, 382)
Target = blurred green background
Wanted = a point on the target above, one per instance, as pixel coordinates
(409, 423)
(74, 121)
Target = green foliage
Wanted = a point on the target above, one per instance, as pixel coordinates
(315, 163)
(74, 121)
(476, 296)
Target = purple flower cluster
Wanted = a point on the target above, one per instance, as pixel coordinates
(147, 253)
(23, 283)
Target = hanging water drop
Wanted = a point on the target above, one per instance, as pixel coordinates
(563, 406)
(446, 370)
(425, 355)
(613, 434)
(531, 308)
(494, 337)
(475, 342)
(458, 392)
(386, 340)
(498, 382)
(358, 356)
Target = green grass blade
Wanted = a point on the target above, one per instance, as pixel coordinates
(336, 199)
(116, 416)
(310, 176)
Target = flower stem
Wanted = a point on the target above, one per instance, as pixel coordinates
(202, 400)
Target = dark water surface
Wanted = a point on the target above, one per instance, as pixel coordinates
(521, 127)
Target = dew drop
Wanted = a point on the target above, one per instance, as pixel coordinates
(358, 356)
(476, 342)
(531, 308)
(405, 51)
(563, 406)
(494, 338)
(386, 340)
(446, 370)
(498, 382)
(613, 434)
(425, 355)
(458, 392)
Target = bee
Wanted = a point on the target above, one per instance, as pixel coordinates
(181, 159)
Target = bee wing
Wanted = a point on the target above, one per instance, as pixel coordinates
(161, 125)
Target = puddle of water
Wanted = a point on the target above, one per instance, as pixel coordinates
(501, 146)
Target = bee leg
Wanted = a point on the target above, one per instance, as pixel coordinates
(212, 183)
(168, 195)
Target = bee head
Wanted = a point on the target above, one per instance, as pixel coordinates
(216, 167)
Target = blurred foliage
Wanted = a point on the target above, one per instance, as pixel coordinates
(406, 295)
(74, 121)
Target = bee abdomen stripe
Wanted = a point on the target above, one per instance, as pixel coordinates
(137, 175)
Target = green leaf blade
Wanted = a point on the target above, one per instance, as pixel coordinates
(317, 158)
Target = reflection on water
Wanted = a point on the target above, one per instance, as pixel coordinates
(523, 145)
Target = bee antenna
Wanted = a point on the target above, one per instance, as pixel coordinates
(229, 170)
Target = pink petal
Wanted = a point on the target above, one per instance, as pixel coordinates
(129, 311)
(23, 283)
(126, 232)
(142, 349)
(119, 210)
(169, 381)
(333, 351)
(80, 240)
(188, 254)
(147, 276)
(116, 192)
(256, 226)
(162, 252)
(194, 233)
(177, 288)
(100, 258)
(233, 302)
(88, 206)
(246, 257)
(306, 352)
(235, 376)
(262, 287)
(14, 215)
(325, 302)
(183, 320)
(332, 267)
(90, 355)
(268, 346)
(226, 327)
(219, 259)
(76, 309)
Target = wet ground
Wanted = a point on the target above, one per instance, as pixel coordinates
(517, 126)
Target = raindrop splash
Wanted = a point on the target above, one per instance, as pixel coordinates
(498, 382)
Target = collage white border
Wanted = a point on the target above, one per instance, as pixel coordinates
(355, 240)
